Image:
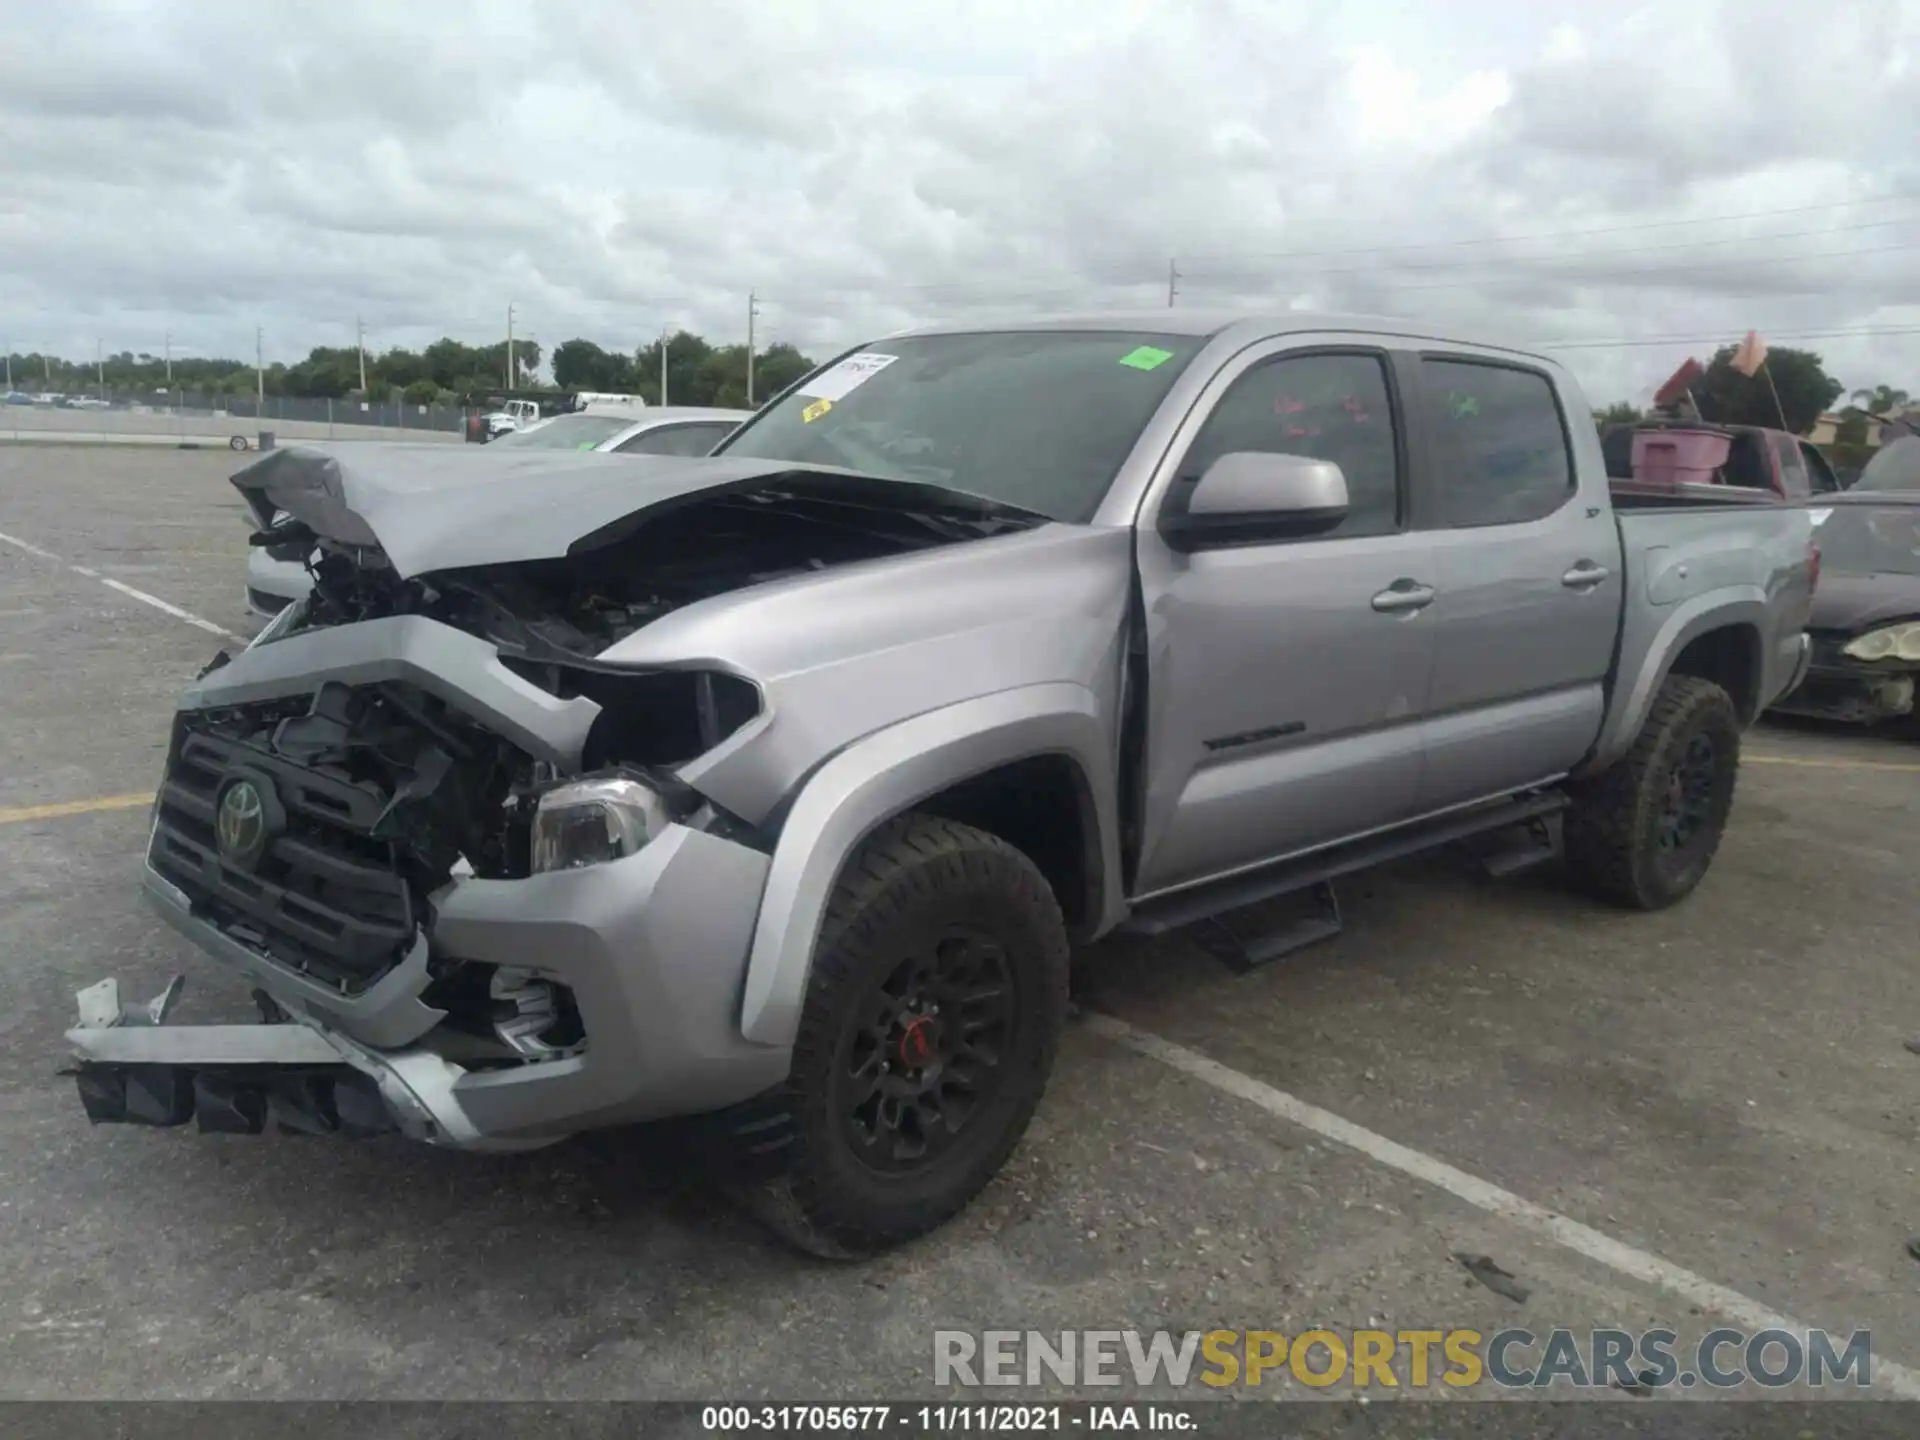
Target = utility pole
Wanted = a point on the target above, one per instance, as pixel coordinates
(1173, 283)
(259, 374)
(9, 365)
(168, 344)
(360, 345)
(753, 309)
(663, 365)
(509, 347)
(100, 365)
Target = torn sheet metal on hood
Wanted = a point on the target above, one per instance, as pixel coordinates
(446, 507)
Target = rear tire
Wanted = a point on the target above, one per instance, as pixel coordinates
(1643, 833)
(938, 993)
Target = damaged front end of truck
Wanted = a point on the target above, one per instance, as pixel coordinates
(441, 836)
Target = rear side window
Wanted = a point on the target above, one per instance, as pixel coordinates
(675, 440)
(1330, 407)
(1793, 472)
(1499, 444)
(1819, 473)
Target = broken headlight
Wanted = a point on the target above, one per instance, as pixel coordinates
(287, 619)
(589, 822)
(1891, 642)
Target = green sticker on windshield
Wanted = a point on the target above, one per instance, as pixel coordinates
(586, 444)
(1146, 357)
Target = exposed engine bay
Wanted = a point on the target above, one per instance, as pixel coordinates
(378, 794)
(570, 609)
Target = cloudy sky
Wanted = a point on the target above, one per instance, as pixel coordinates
(1583, 174)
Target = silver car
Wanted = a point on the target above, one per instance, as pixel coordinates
(664, 430)
(273, 584)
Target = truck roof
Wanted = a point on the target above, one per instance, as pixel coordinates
(1249, 325)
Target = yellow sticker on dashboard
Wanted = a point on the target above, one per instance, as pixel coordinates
(814, 411)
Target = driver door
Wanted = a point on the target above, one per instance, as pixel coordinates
(1286, 678)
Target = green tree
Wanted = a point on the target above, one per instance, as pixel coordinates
(421, 392)
(1730, 398)
(686, 355)
(1618, 413)
(1882, 400)
(777, 367)
(583, 365)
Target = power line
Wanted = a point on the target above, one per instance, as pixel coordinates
(1863, 330)
(1564, 234)
(1606, 254)
(1141, 270)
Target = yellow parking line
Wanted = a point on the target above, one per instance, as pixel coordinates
(74, 807)
(1830, 764)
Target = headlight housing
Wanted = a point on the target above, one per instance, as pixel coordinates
(1890, 642)
(288, 617)
(589, 822)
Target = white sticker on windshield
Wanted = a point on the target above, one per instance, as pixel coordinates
(1819, 517)
(848, 375)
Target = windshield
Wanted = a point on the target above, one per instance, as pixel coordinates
(568, 432)
(1037, 419)
(1896, 467)
(1859, 539)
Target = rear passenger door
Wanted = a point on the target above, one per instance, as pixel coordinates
(1286, 677)
(1529, 585)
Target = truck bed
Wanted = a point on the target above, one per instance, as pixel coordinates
(1683, 563)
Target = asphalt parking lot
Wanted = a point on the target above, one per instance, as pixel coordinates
(1721, 1088)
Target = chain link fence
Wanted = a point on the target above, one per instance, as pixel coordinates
(210, 414)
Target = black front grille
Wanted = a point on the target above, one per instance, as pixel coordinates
(325, 898)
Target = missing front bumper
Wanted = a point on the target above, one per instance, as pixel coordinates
(1854, 696)
(135, 1069)
(132, 1068)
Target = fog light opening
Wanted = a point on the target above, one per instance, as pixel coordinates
(534, 1016)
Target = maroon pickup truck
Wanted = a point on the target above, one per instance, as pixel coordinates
(1655, 459)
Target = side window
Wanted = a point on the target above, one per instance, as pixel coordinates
(676, 440)
(1499, 444)
(1330, 407)
(1819, 474)
(1793, 471)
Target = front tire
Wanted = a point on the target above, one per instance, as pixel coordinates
(1642, 833)
(938, 993)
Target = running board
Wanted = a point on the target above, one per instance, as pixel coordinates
(1241, 947)
(1320, 869)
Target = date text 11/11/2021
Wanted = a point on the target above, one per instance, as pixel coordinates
(940, 1419)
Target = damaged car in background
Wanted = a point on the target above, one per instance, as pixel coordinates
(768, 792)
(1865, 622)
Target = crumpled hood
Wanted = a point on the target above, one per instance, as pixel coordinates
(1860, 602)
(434, 507)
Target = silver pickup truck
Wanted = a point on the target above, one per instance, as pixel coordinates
(771, 790)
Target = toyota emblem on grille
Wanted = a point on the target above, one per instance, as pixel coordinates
(241, 824)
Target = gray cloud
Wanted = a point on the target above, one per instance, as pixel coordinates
(1551, 172)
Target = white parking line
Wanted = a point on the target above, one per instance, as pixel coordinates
(145, 599)
(1895, 1380)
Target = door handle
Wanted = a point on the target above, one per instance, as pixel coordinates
(1403, 596)
(1584, 576)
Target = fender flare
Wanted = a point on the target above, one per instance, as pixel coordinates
(878, 777)
(1689, 621)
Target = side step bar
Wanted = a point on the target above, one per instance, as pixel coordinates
(1319, 870)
